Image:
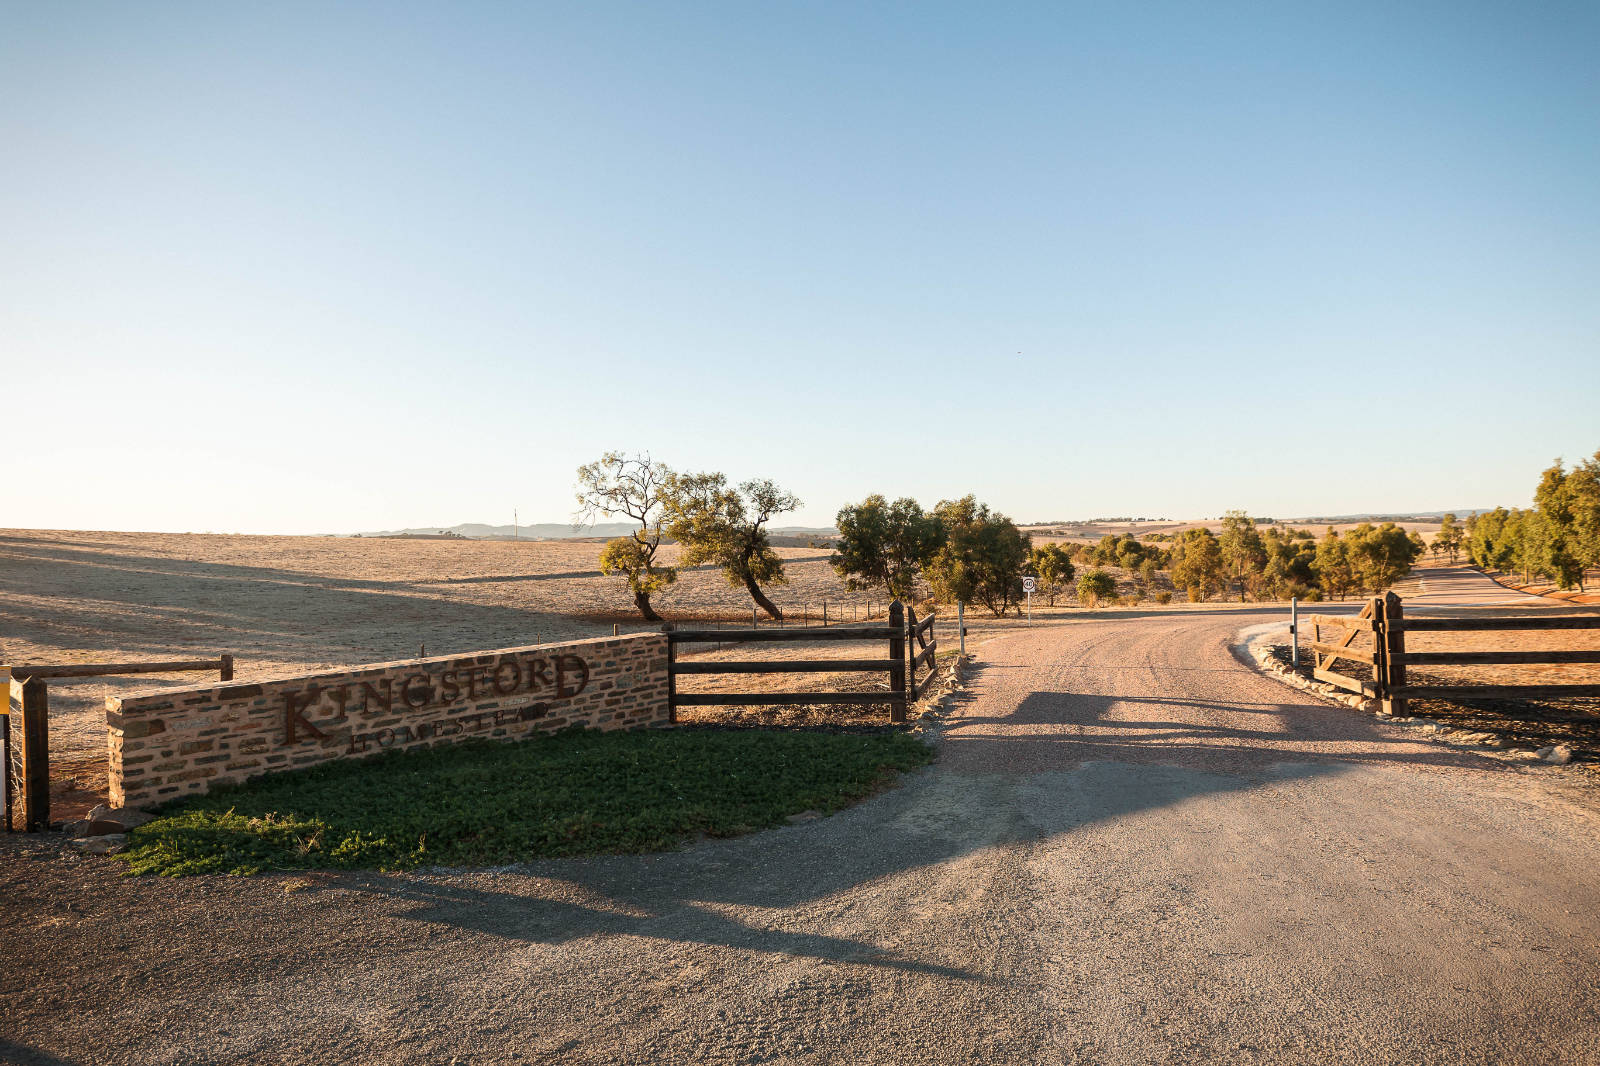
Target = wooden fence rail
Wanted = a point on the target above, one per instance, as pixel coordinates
(222, 664)
(1384, 617)
(924, 647)
(902, 633)
(1495, 622)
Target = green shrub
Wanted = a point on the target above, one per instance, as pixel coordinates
(1095, 586)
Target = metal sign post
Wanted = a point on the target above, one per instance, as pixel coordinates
(1027, 587)
(1294, 631)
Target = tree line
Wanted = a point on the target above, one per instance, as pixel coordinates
(1558, 538)
(1276, 562)
(1282, 562)
(963, 550)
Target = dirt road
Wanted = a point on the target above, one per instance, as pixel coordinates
(1431, 587)
(1134, 849)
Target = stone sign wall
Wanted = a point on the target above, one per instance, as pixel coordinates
(174, 743)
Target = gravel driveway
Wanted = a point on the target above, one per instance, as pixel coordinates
(1134, 849)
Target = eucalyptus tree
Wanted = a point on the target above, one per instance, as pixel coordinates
(714, 522)
(1052, 565)
(1336, 575)
(1242, 550)
(885, 545)
(982, 557)
(1450, 537)
(1197, 563)
(633, 487)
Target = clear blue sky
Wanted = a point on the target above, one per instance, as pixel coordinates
(301, 268)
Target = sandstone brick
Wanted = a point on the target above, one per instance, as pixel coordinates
(134, 728)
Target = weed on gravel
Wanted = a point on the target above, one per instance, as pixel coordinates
(487, 803)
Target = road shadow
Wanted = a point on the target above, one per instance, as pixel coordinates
(1055, 730)
(15, 1054)
(537, 918)
(689, 896)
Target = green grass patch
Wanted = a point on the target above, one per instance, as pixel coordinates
(485, 803)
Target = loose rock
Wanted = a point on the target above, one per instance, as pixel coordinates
(109, 844)
(125, 816)
(107, 821)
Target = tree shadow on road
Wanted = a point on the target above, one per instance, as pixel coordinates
(716, 892)
(22, 1055)
(1070, 728)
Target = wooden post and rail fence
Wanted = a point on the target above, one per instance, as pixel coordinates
(1387, 657)
(910, 650)
(910, 645)
(25, 731)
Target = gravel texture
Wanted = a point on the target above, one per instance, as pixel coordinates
(1134, 849)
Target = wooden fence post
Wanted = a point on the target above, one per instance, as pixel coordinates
(1394, 648)
(897, 656)
(227, 668)
(34, 783)
(911, 653)
(5, 756)
(672, 675)
(1379, 665)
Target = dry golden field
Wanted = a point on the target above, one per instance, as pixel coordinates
(288, 605)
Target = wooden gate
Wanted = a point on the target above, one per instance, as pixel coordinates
(1324, 655)
(1384, 618)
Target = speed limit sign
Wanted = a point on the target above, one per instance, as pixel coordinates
(1028, 585)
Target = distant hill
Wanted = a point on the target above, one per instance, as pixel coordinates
(538, 531)
(555, 531)
(1340, 519)
(1410, 516)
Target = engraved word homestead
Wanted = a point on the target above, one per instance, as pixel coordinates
(177, 742)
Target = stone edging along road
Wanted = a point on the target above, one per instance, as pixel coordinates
(1258, 642)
